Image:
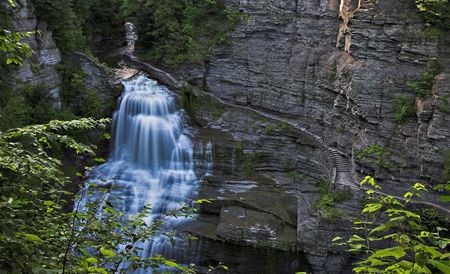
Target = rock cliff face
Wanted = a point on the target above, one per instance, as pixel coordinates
(41, 67)
(284, 59)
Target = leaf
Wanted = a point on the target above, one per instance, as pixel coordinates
(372, 207)
(107, 252)
(397, 252)
(408, 195)
(378, 229)
(419, 187)
(32, 237)
(357, 238)
(99, 160)
(48, 203)
(171, 264)
(92, 260)
(202, 201)
(336, 239)
(445, 198)
(444, 267)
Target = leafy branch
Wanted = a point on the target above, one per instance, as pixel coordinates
(391, 238)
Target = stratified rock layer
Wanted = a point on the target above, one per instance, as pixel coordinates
(284, 59)
(41, 67)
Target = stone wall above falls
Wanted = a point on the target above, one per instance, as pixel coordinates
(284, 59)
(41, 67)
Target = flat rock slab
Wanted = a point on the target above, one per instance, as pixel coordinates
(256, 228)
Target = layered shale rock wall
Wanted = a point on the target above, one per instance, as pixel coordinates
(284, 59)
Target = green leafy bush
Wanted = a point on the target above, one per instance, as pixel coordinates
(376, 154)
(326, 203)
(39, 236)
(424, 85)
(64, 23)
(31, 104)
(446, 170)
(404, 108)
(436, 13)
(81, 101)
(390, 238)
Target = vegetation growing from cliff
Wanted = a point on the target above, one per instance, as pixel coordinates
(446, 171)
(404, 108)
(423, 86)
(178, 31)
(31, 104)
(436, 14)
(393, 239)
(74, 23)
(326, 203)
(376, 154)
(75, 97)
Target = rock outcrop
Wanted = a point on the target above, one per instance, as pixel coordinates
(284, 59)
(41, 67)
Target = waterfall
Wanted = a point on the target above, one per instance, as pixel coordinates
(152, 160)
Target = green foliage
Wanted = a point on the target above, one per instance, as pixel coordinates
(294, 175)
(75, 96)
(446, 171)
(326, 204)
(404, 108)
(424, 85)
(248, 163)
(376, 154)
(393, 239)
(101, 19)
(73, 21)
(436, 14)
(431, 218)
(444, 104)
(179, 31)
(12, 47)
(187, 99)
(64, 23)
(279, 127)
(32, 191)
(30, 104)
(96, 247)
(39, 236)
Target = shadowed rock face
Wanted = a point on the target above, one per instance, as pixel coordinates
(41, 67)
(284, 59)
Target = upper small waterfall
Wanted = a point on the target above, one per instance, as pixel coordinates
(131, 37)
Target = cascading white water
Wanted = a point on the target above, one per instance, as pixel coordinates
(152, 161)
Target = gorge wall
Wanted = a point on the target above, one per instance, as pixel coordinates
(284, 60)
(40, 68)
